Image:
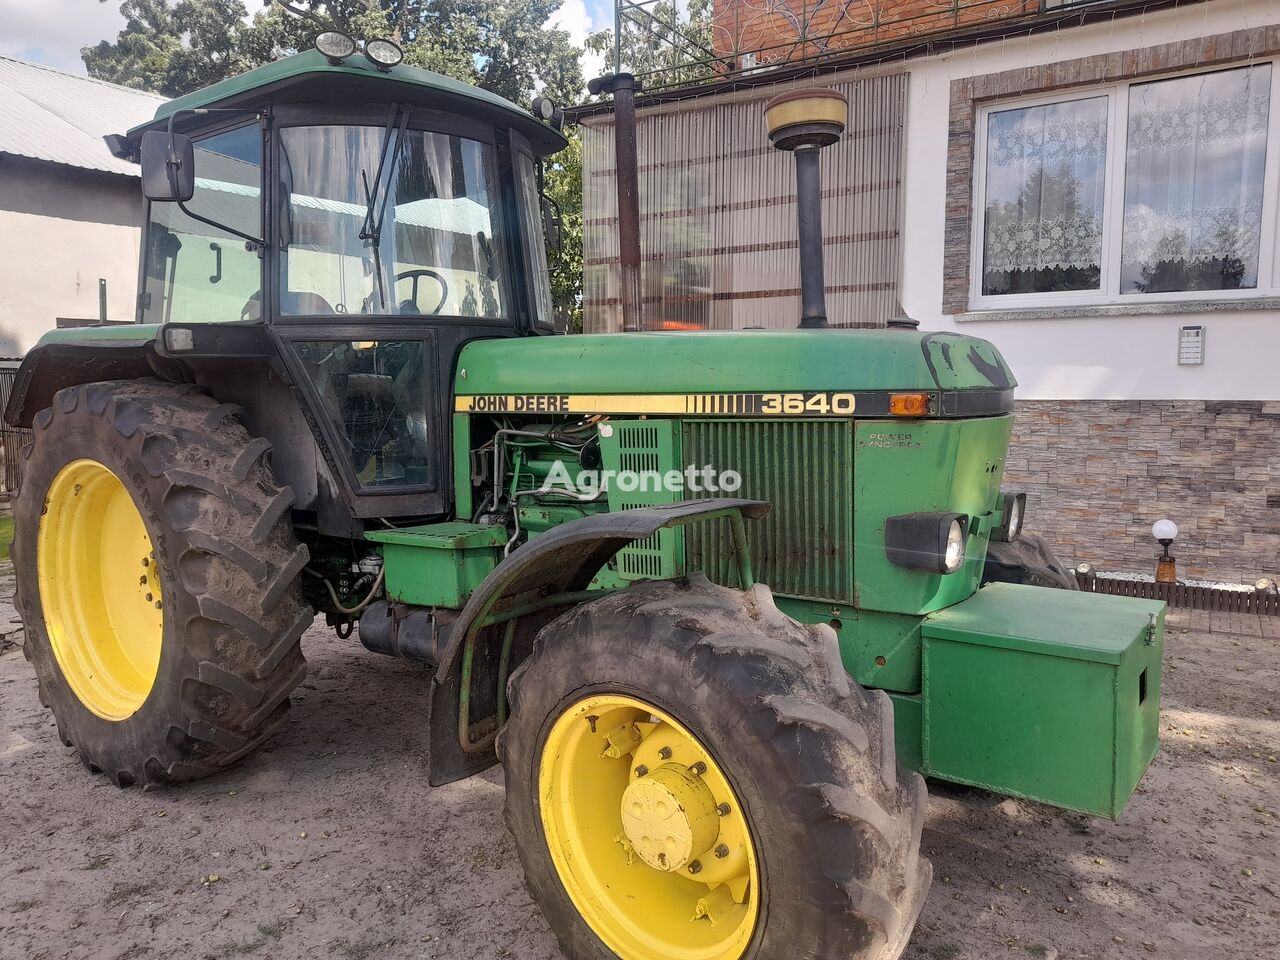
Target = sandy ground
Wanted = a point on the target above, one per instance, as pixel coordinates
(329, 843)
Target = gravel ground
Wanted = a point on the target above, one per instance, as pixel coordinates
(329, 843)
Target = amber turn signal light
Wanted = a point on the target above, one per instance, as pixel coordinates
(909, 404)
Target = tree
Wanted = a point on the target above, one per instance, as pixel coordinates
(499, 45)
(664, 44)
(173, 49)
(564, 186)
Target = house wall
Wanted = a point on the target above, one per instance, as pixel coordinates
(61, 229)
(1100, 472)
(1112, 355)
(1111, 432)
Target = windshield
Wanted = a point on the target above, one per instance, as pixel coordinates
(439, 251)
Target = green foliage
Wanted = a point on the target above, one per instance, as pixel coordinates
(499, 45)
(661, 45)
(172, 49)
(564, 186)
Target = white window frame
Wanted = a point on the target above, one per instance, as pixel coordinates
(1108, 292)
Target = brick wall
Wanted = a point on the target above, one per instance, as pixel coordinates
(1099, 472)
(792, 30)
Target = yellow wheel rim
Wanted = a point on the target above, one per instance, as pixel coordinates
(100, 590)
(646, 833)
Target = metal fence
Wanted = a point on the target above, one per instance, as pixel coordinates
(718, 219)
(12, 439)
(1185, 595)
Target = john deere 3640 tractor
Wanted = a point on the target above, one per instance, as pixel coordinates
(344, 396)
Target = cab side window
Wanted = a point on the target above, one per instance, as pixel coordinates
(197, 272)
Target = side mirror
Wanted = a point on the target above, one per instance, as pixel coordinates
(168, 166)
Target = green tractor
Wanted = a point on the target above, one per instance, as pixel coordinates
(345, 395)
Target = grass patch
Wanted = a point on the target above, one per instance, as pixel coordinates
(6, 536)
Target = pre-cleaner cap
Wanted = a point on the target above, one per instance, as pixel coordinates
(801, 118)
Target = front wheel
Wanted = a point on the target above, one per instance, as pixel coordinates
(692, 774)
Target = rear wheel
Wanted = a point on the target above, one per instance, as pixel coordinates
(690, 773)
(157, 580)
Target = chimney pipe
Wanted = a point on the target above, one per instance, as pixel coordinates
(803, 122)
(623, 87)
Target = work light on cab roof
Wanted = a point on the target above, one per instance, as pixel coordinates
(336, 46)
(383, 53)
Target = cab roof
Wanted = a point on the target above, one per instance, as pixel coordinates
(309, 76)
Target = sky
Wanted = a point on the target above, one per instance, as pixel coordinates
(53, 31)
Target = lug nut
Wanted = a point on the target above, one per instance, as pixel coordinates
(698, 768)
(146, 562)
(150, 598)
(722, 851)
(695, 867)
(665, 753)
(142, 580)
(723, 809)
(642, 771)
(158, 607)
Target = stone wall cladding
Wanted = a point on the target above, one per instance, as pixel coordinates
(1098, 473)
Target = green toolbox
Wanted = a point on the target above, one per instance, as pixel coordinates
(1051, 695)
(438, 564)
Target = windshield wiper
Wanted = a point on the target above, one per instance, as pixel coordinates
(376, 198)
(376, 238)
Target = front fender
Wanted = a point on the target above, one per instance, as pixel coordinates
(560, 562)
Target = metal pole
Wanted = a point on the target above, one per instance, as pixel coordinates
(813, 291)
(623, 88)
(617, 36)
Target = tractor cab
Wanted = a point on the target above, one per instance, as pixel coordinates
(367, 219)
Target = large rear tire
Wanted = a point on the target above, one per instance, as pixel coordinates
(636, 714)
(157, 579)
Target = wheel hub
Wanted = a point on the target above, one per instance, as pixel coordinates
(100, 589)
(647, 833)
(670, 817)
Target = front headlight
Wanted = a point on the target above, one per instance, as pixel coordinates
(933, 542)
(954, 555)
(1013, 511)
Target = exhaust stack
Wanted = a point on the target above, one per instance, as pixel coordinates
(805, 121)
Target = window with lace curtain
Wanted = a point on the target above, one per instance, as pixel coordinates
(1150, 190)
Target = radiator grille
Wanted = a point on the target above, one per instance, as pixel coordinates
(644, 448)
(804, 548)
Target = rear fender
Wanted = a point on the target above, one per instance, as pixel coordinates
(524, 592)
(49, 367)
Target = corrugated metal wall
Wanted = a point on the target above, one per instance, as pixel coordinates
(717, 214)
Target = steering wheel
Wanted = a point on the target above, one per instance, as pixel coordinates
(415, 276)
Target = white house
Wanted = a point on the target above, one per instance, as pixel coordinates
(1095, 190)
